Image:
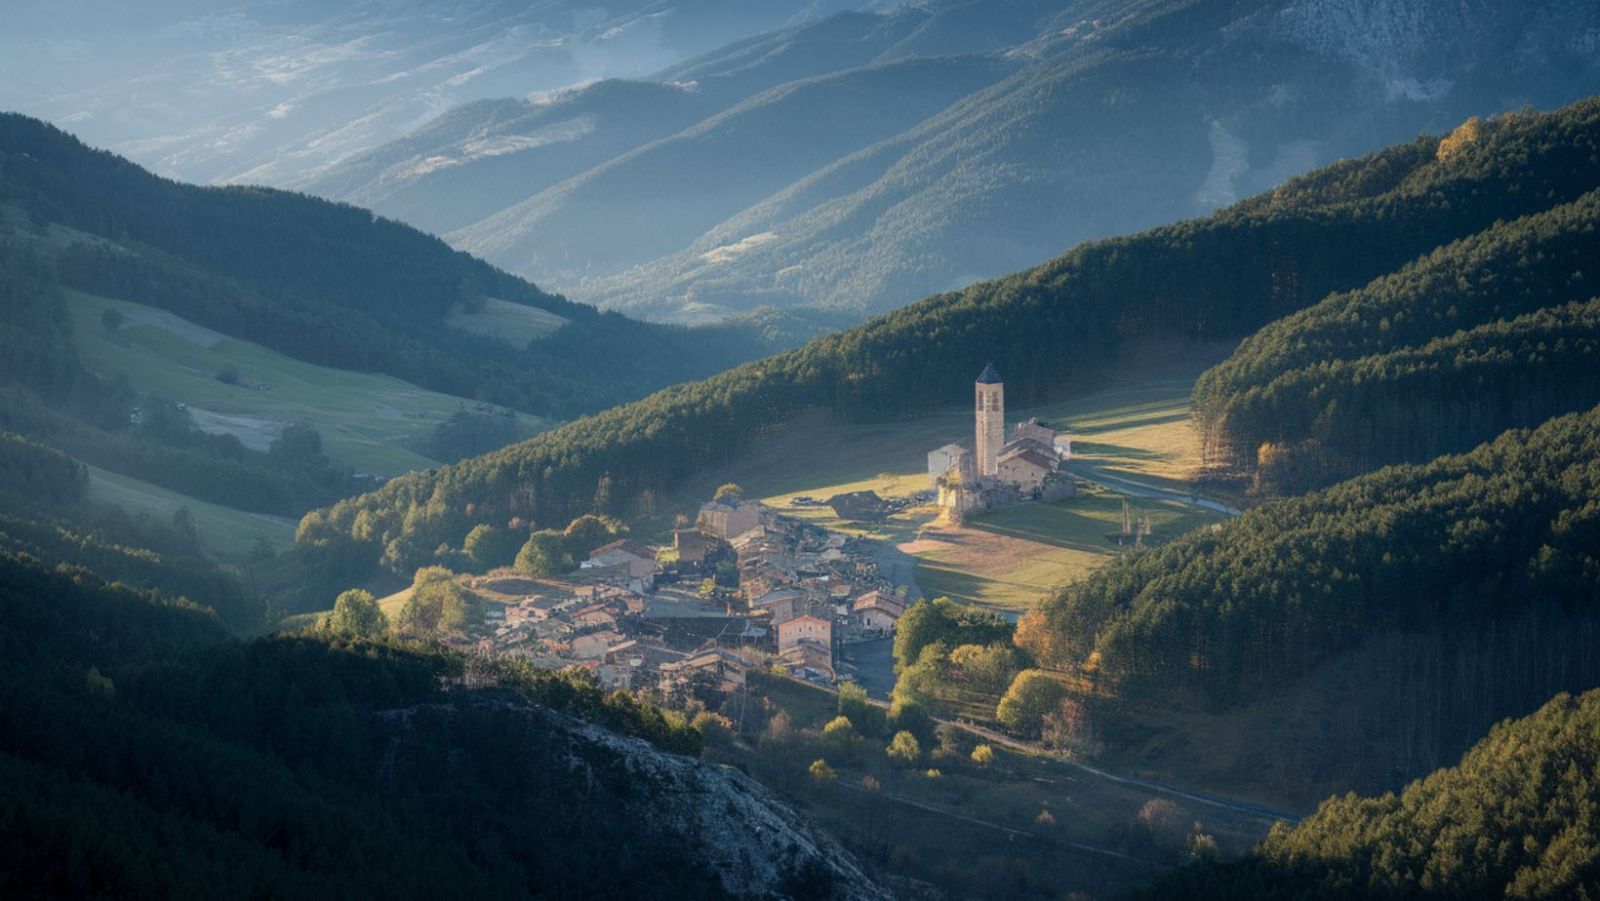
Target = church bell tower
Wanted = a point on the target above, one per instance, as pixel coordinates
(991, 420)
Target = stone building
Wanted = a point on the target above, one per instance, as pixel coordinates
(999, 472)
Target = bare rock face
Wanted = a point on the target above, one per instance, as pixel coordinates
(600, 813)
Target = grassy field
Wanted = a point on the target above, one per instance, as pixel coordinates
(224, 531)
(364, 419)
(1008, 558)
(513, 323)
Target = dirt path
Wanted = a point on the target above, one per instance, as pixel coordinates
(1015, 744)
(939, 811)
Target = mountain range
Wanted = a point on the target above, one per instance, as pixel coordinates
(861, 161)
(271, 91)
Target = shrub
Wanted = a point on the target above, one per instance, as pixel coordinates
(820, 770)
(854, 705)
(356, 615)
(544, 555)
(1031, 695)
(983, 755)
(904, 749)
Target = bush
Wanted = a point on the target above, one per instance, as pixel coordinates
(983, 755)
(488, 546)
(820, 770)
(854, 706)
(589, 531)
(906, 715)
(839, 729)
(1031, 695)
(356, 615)
(904, 749)
(544, 555)
(986, 668)
(437, 608)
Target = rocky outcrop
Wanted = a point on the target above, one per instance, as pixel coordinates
(623, 803)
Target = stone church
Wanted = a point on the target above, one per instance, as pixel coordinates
(999, 472)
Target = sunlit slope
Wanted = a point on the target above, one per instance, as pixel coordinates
(366, 420)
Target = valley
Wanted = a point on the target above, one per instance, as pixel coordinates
(1026, 450)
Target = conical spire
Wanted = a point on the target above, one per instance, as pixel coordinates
(989, 376)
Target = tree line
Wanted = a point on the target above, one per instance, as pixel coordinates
(1482, 567)
(1515, 818)
(1468, 341)
(335, 285)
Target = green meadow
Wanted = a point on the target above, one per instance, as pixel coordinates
(366, 420)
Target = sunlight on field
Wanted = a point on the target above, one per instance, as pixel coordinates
(1010, 557)
(1144, 433)
(365, 419)
(514, 323)
(224, 532)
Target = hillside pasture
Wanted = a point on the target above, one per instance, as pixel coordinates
(224, 532)
(366, 420)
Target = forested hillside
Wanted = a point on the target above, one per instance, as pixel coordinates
(1468, 341)
(1051, 330)
(142, 752)
(1514, 819)
(332, 284)
(1453, 593)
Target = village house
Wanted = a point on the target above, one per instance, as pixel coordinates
(594, 618)
(878, 610)
(690, 545)
(943, 459)
(639, 559)
(726, 521)
(783, 604)
(806, 628)
(1026, 467)
(807, 661)
(718, 666)
(594, 645)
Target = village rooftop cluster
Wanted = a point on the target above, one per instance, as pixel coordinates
(643, 619)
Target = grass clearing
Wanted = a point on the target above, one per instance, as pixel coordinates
(514, 323)
(224, 531)
(365, 419)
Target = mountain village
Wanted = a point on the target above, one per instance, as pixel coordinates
(748, 586)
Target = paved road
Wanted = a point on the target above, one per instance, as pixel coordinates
(1095, 474)
(871, 663)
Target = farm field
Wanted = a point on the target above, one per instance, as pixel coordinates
(224, 531)
(1007, 558)
(365, 419)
